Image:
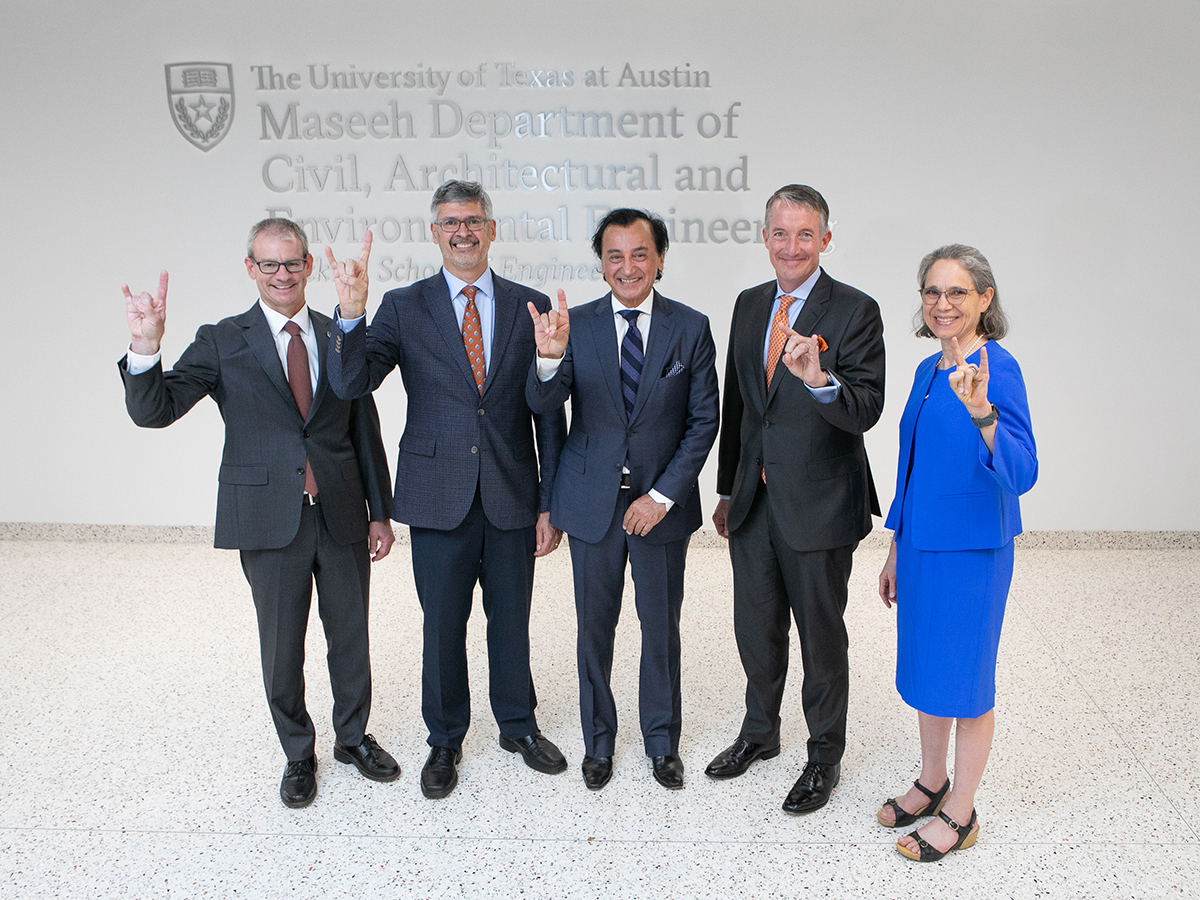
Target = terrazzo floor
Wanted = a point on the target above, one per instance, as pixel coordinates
(137, 757)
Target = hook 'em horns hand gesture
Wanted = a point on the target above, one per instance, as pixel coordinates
(147, 317)
(351, 281)
(551, 329)
(970, 382)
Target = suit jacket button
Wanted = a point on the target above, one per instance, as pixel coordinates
(474, 449)
(300, 471)
(479, 412)
(766, 423)
(304, 433)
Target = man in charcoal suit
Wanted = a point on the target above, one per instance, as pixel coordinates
(803, 381)
(302, 489)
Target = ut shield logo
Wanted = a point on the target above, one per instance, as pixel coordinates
(200, 95)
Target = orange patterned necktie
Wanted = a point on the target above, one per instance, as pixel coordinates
(473, 336)
(779, 336)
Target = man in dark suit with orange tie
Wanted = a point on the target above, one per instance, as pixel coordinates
(300, 474)
(803, 382)
(639, 370)
(467, 476)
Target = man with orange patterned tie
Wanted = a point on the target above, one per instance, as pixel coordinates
(468, 483)
(803, 382)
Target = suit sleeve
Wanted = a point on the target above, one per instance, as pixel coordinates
(367, 439)
(546, 396)
(859, 368)
(155, 399)
(703, 417)
(1013, 460)
(361, 358)
(730, 446)
(549, 422)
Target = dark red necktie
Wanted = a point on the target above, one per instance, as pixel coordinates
(300, 381)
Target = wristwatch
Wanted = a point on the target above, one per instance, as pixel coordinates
(985, 421)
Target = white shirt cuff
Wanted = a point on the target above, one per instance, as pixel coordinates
(547, 368)
(136, 364)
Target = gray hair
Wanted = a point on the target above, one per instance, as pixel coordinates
(454, 191)
(993, 323)
(280, 228)
(800, 195)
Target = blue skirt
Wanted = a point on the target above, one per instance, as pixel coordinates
(948, 618)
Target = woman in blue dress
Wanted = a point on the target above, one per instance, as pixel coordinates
(966, 454)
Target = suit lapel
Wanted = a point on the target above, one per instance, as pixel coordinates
(663, 331)
(758, 313)
(441, 310)
(506, 310)
(604, 339)
(321, 328)
(814, 306)
(262, 345)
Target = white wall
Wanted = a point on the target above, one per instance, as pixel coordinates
(1058, 138)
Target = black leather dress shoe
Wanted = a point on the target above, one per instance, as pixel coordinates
(735, 759)
(813, 788)
(371, 759)
(539, 752)
(439, 776)
(299, 784)
(597, 771)
(668, 771)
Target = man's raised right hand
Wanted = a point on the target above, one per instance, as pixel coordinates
(147, 317)
(551, 329)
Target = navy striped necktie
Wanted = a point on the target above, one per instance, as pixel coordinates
(631, 360)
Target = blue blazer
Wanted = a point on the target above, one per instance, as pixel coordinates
(969, 500)
(664, 442)
(456, 440)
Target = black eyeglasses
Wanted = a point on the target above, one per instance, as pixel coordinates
(270, 266)
(449, 226)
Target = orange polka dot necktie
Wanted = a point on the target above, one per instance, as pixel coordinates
(473, 337)
(779, 327)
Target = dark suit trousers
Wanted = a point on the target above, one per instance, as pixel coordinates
(769, 580)
(281, 582)
(599, 575)
(446, 566)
